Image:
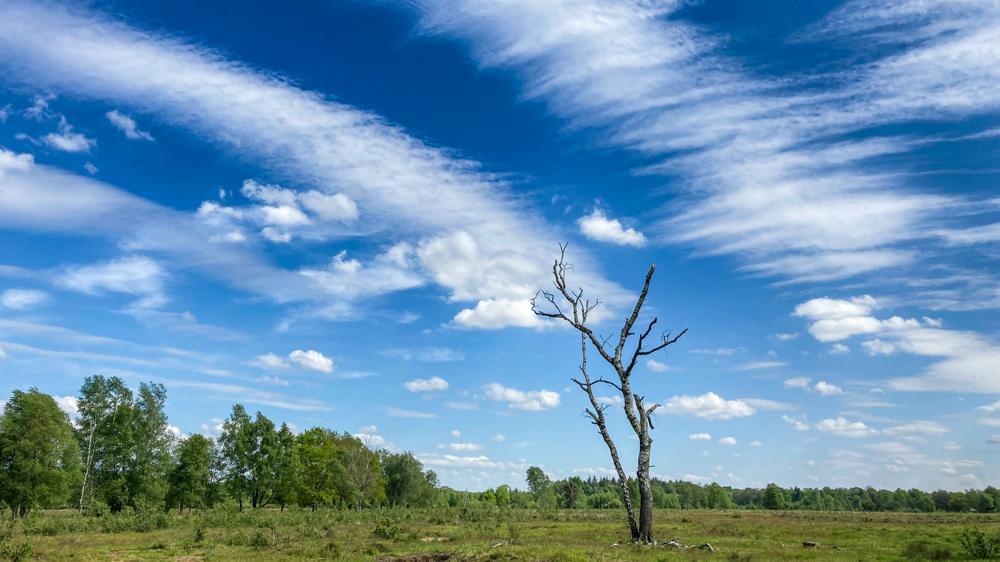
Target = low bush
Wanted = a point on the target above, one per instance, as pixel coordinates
(980, 546)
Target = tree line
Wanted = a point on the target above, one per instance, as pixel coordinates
(119, 453)
(576, 492)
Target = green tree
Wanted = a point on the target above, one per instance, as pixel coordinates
(39, 456)
(191, 477)
(541, 488)
(251, 455)
(503, 496)
(148, 461)
(406, 483)
(105, 433)
(236, 451)
(319, 468)
(774, 497)
(286, 465)
(364, 483)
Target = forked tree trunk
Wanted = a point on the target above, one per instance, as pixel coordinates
(638, 414)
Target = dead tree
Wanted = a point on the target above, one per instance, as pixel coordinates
(570, 306)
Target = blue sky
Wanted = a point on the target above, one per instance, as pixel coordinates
(337, 214)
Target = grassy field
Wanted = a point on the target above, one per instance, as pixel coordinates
(460, 535)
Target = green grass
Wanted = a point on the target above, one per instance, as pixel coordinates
(434, 534)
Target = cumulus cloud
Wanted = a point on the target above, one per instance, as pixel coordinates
(493, 314)
(657, 366)
(67, 404)
(127, 125)
(827, 389)
(708, 406)
(843, 427)
(22, 299)
(312, 360)
(700, 437)
(433, 384)
(727, 441)
(465, 447)
(597, 226)
(967, 357)
(838, 319)
(531, 400)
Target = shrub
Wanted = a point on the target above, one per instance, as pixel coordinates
(386, 527)
(14, 551)
(980, 546)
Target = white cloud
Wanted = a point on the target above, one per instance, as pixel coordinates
(828, 389)
(757, 365)
(657, 366)
(270, 361)
(797, 382)
(492, 314)
(68, 141)
(433, 384)
(720, 351)
(708, 406)
(756, 444)
(838, 319)
(878, 347)
(532, 400)
(21, 299)
(336, 207)
(465, 447)
(839, 349)
(127, 125)
(370, 437)
(968, 357)
(782, 336)
(843, 427)
(994, 407)
(312, 360)
(700, 437)
(456, 433)
(499, 437)
(402, 185)
(3, 353)
(727, 441)
(798, 423)
(462, 405)
(67, 404)
(133, 275)
(917, 428)
(402, 413)
(994, 440)
(597, 226)
(426, 354)
(769, 170)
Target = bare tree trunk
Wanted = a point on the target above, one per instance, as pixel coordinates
(598, 419)
(638, 414)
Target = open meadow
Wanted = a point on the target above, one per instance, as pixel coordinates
(457, 534)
